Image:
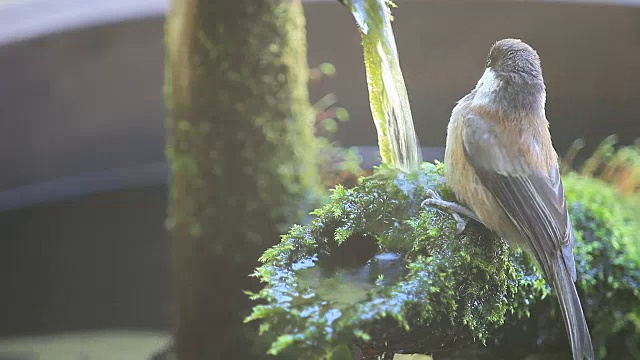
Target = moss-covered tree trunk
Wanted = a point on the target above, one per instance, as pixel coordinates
(241, 150)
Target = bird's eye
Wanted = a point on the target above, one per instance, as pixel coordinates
(488, 64)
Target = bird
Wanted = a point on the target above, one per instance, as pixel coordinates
(503, 169)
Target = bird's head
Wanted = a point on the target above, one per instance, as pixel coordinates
(514, 57)
(512, 80)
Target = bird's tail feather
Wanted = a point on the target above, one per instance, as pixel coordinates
(574, 320)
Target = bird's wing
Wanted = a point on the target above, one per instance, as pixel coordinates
(534, 201)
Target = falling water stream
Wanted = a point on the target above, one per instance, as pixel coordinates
(388, 97)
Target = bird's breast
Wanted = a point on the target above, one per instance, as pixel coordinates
(462, 179)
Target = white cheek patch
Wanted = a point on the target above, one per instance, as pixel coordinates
(485, 88)
(489, 80)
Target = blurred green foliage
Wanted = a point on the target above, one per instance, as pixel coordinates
(337, 164)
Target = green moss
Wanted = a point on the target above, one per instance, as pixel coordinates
(376, 270)
(396, 267)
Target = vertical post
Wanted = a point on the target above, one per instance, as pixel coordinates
(242, 156)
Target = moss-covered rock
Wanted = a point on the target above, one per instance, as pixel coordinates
(377, 273)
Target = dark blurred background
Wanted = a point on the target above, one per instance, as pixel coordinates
(82, 174)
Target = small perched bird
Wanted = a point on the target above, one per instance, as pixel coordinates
(501, 164)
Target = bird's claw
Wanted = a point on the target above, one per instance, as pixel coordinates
(452, 208)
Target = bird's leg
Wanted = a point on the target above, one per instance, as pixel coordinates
(453, 208)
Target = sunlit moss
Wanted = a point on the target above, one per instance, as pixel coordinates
(373, 254)
(376, 270)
